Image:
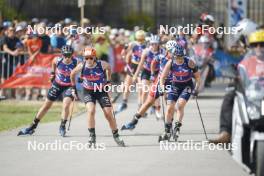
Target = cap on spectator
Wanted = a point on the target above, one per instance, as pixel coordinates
(85, 21)
(19, 28)
(67, 20)
(7, 24)
(127, 33)
(35, 20)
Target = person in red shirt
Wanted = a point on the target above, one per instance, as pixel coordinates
(34, 44)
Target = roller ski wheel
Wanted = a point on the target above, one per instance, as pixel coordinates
(164, 137)
(175, 135)
(176, 131)
(92, 141)
(119, 141)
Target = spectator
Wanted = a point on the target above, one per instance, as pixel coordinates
(2, 37)
(34, 44)
(45, 48)
(57, 40)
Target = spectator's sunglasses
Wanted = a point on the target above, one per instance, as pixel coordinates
(89, 58)
(254, 45)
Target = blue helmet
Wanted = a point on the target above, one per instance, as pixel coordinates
(179, 50)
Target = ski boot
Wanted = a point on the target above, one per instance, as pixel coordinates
(128, 126)
(92, 141)
(176, 131)
(121, 108)
(167, 134)
(26, 131)
(165, 137)
(62, 129)
(118, 140)
(131, 125)
(30, 130)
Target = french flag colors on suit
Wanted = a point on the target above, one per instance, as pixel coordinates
(32, 74)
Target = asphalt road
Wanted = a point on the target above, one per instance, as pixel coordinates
(142, 156)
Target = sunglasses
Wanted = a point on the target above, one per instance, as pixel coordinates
(254, 45)
(178, 57)
(89, 58)
(67, 55)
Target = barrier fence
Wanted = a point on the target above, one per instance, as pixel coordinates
(9, 63)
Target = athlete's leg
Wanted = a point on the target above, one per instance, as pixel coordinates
(127, 83)
(180, 109)
(67, 102)
(90, 107)
(44, 109)
(145, 90)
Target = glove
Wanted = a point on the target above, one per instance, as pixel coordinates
(52, 76)
(74, 92)
(195, 92)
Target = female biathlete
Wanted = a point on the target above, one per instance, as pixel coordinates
(182, 70)
(61, 84)
(154, 94)
(133, 57)
(96, 75)
(144, 65)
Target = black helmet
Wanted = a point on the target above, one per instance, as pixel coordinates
(67, 50)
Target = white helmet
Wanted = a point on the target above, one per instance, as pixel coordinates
(203, 39)
(171, 44)
(209, 18)
(154, 39)
(242, 29)
(245, 27)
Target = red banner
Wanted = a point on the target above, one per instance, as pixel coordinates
(32, 74)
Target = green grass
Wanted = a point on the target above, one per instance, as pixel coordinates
(18, 113)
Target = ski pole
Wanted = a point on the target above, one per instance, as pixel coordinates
(201, 118)
(72, 108)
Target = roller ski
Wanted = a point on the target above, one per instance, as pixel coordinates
(167, 134)
(62, 129)
(176, 131)
(118, 140)
(164, 137)
(128, 126)
(121, 108)
(30, 130)
(131, 125)
(92, 140)
(26, 131)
